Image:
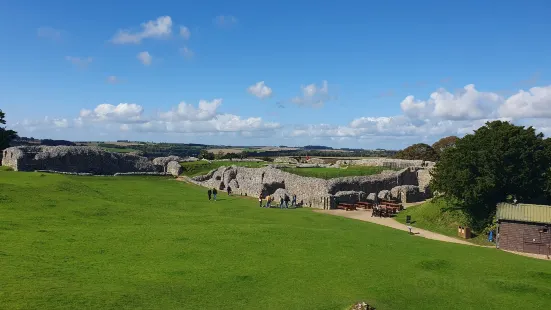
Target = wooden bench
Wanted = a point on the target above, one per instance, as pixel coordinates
(346, 206)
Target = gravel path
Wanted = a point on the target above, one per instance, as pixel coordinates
(363, 215)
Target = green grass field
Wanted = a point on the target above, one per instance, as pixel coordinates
(437, 216)
(330, 173)
(118, 150)
(71, 242)
(201, 167)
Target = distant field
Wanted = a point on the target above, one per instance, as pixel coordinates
(117, 150)
(155, 243)
(330, 173)
(201, 167)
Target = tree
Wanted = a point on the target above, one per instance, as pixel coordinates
(204, 154)
(6, 136)
(444, 143)
(419, 151)
(497, 161)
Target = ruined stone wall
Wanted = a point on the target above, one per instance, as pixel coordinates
(76, 159)
(385, 162)
(312, 192)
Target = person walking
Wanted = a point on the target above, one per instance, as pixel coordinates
(260, 200)
(229, 191)
(294, 201)
(287, 199)
(209, 192)
(281, 201)
(214, 193)
(268, 201)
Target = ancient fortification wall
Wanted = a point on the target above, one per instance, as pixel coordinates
(386, 162)
(76, 159)
(314, 192)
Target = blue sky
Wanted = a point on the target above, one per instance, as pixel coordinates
(335, 73)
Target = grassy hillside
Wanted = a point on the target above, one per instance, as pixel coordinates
(203, 167)
(438, 216)
(329, 173)
(155, 243)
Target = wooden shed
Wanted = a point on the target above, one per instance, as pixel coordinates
(524, 228)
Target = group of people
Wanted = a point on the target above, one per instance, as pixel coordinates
(283, 201)
(213, 192)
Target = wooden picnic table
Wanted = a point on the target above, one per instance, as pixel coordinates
(346, 206)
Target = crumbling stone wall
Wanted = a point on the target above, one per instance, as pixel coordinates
(386, 162)
(76, 159)
(312, 192)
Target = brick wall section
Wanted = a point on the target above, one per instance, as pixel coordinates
(524, 237)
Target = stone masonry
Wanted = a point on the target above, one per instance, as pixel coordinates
(75, 159)
(314, 192)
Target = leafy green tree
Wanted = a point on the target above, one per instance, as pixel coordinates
(204, 154)
(444, 143)
(497, 161)
(6, 136)
(419, 151)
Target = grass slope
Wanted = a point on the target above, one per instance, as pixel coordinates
(71, 242)
(329, 173)
(203, 167)
(435, 215)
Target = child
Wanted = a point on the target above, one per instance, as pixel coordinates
(214, 193)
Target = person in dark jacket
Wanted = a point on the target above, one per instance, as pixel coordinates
(287, 199)
(209, 192)
(229, 190)
(294, 201)
(214, 193)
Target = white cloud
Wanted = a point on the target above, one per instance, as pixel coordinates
(49, 33)
(464, 105)
(225, 20)
(313, 96)
(534, 103)
(121, 113)
(81, 62)
(145, 58)
(186, 52)
(260, 90)
(186, 112)
(185, 32)
(112, 79)
(153, 29)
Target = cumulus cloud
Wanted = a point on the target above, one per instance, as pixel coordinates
(313, 95)
(185, 32)
(145, 58)
(260, 90)
(187, 112)
(81, 62)
(186, 52)
(153, 29)
(466, 104)
(443, 114)
(534, 103)
(121, 113)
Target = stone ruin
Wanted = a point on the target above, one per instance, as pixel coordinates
(407, 185)
(87, 160)
(386, 162)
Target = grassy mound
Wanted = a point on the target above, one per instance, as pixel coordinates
(439, 216)
(6, 168)
(330, 173)
(73, 242)
(201, 167)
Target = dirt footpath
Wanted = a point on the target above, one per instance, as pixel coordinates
(363, 215)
